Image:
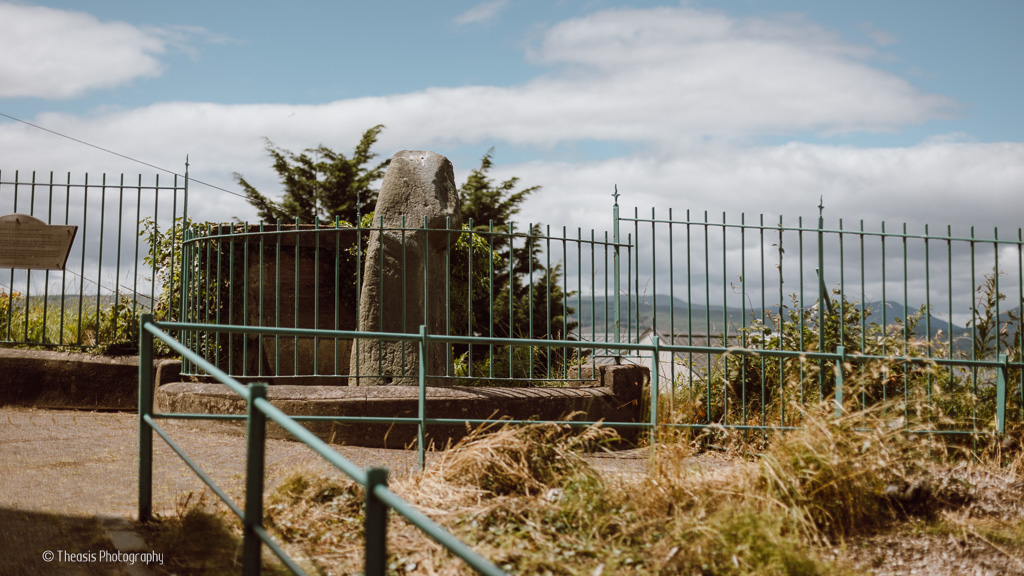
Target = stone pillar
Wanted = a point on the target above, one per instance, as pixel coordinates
(404, 272)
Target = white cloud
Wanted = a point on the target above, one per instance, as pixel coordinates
(481, 13)
(185, 38)
(673, 74)
(941, 180)
(59, 54)
(665, 77)
(878, 36)
(938, 183)
(662, 78)
(700, 72)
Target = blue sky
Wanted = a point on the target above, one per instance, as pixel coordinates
(908, 111)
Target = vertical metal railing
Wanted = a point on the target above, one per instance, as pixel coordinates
(106, 282)
(894, 317)
(503, 283)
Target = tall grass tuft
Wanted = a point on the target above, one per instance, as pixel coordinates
(837, 476)
(521, 460)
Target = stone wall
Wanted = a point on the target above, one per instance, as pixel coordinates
(46, 379)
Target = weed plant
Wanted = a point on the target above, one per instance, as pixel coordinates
(104, 329)
(883, 364)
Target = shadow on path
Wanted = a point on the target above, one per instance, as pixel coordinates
(75, 545)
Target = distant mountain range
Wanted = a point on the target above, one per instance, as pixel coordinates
(596, 314)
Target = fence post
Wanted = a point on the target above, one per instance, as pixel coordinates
(145, 410)
(615, 278)
(182, 276)
(655, 377)
(184, 209)
(841, 351)
(823, 301)
(422, 408)
(1003, 374)
(254, 468)
(376, 524)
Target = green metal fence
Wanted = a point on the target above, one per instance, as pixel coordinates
(921, 319)
(489, 282)
(113, 273)
(888, 296)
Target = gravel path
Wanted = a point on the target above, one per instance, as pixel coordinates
(86, 462)
(62, 469)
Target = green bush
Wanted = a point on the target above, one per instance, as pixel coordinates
(883, 364)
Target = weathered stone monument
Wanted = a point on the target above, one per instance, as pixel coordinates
(404, 276)
(305, 277)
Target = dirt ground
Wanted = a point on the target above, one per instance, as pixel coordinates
(975, 498)
(60, 469)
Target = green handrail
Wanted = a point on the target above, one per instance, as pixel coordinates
(379, 498)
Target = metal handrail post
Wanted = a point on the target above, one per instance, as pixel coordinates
(375, 526)
(254, 469)
(145, 410)
(1002, 375)
(823, 300)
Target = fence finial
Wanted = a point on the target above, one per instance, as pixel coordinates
(821, 206)
(616, 195)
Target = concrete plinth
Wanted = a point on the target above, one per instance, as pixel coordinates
(615, 396)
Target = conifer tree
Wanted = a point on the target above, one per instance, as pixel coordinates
(321, 184)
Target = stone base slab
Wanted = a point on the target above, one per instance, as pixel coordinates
(614, 397)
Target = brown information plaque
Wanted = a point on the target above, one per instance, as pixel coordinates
(27, 242)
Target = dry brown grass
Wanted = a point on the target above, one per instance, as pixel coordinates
(200, 539)
(839, 476)
(526, 498)
(521, 460)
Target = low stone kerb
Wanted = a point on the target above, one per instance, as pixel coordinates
(614, 397)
